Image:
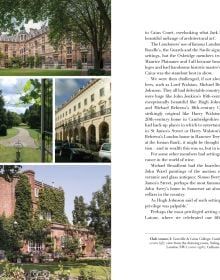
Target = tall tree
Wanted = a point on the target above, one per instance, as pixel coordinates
(9, 240)
(3, 116)
(105, 13)
(31, 92)
(79, 212)
(100, 213)
(13, 119)
(34, 119)
(9, 171)
(9, 119)
(79, 20)
(2, 56)
(23, 207)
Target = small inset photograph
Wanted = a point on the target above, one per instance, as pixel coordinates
(26, 120)
(62, 38)
(83, 120)
(55, 222)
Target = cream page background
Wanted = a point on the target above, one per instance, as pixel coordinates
(132, 257)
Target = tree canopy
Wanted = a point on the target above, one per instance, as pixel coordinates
(80, 211)
(3, 116)
(9, 171)
(100, 213)
(23, 206)
(87, 22)
(8, 237)
(97, 214)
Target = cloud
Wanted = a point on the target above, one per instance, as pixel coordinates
(31, 24)
(8, 82)
(10, 87)
(65, 88)
(66, 85)
(18, 110)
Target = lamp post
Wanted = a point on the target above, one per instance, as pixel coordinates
(15, 225)
(18, 146)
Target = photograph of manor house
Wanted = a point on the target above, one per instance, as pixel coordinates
(83, 120)
(37, 37)
(34, 50)
(47, 223)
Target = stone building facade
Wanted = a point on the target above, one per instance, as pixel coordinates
(86, 116)
(58, 232)
(35, 43)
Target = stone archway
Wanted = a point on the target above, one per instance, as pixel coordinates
(83, 135)
(92, 135)
(76, 135)
(70, 135)
(65, 134)
(61, 135)
(103, 132)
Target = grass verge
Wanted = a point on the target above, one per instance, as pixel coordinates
(39, 72)
(101, 271)
(11, 132)
(35, 134)
(8, 154)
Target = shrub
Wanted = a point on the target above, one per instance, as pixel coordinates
(16, 62)
(30, 61)
(26, 258)
(13, 272)
(86, 275)
(3, 130)
(79, 64)
(61, 273)
(63, 259)
(38, 61)
(97, 72)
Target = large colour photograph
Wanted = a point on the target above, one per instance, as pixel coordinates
(55, 222)
(83, 120)
(64, 38)
(26, 122)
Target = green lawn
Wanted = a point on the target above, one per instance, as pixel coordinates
(99, 268)
(40, 72)
(11, 133)
(35, 134)
(8, 154)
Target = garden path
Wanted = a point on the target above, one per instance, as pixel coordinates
(23, 137)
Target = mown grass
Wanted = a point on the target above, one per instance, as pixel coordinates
(99, 270)
(8, 154)
(39, 72)
(35, 134)
(11, 132)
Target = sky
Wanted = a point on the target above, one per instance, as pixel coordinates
(10, 87)
(64, 88)
(31, 24)
(76, 180)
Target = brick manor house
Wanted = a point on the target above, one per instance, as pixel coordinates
(35, 43)
(86, 116)
(58, 232)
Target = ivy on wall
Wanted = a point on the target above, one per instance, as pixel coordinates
(52, 200)
(23, 207)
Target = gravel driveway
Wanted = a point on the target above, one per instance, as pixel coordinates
(22, 136)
